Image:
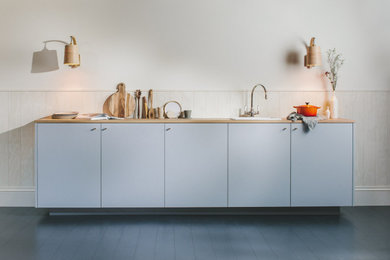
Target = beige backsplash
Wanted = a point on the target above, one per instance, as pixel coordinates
(19, 109)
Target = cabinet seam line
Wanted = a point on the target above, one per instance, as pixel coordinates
(36, 165)
(290, 162)
(353, 165)
(164, 132)
(227, 166)
(101, 168)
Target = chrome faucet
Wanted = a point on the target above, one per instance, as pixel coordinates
(252, 112)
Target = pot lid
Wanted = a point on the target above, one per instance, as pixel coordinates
(306, 106)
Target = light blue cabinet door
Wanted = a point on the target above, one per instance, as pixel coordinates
(68, 165)
(322, 165)
(259, 165)
(196, 165)
(133, 165)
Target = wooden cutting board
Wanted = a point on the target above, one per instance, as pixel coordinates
(120, 104)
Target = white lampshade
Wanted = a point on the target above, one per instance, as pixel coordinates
(44, 61)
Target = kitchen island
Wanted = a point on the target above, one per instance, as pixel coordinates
(193, 163)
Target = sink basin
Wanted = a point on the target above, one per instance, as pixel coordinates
(257, 118)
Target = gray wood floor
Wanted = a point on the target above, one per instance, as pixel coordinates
(358, 233)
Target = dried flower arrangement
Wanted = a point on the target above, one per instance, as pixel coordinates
(335, 61)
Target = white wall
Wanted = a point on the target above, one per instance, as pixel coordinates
(192, 45)
(206, 54)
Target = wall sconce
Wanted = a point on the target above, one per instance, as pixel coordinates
(72, 56)
(313, 56)
(46, 60)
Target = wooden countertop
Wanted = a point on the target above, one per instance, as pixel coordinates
(48, 119)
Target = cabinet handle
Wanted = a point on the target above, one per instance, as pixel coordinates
(104, 129)
(284, 129)
(93, 129)
(168, 129)
(295, 129)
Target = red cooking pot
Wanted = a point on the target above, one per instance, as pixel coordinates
(307, 110)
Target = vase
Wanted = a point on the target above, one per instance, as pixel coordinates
(334, 106)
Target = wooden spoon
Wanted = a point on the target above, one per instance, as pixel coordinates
(144, 108)
(138, 99)
(151, 110)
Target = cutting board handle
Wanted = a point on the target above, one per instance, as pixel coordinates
(121, 88)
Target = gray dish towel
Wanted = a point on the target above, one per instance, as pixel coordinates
(309, 121)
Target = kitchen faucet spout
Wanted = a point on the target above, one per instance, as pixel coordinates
(252, 111)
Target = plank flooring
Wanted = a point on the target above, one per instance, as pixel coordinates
(358, 233)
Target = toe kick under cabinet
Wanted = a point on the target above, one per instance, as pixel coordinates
(192, 164)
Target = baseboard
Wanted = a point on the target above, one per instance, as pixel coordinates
(372, 196)
(17, 196)
(364, 196)
(263, 211)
